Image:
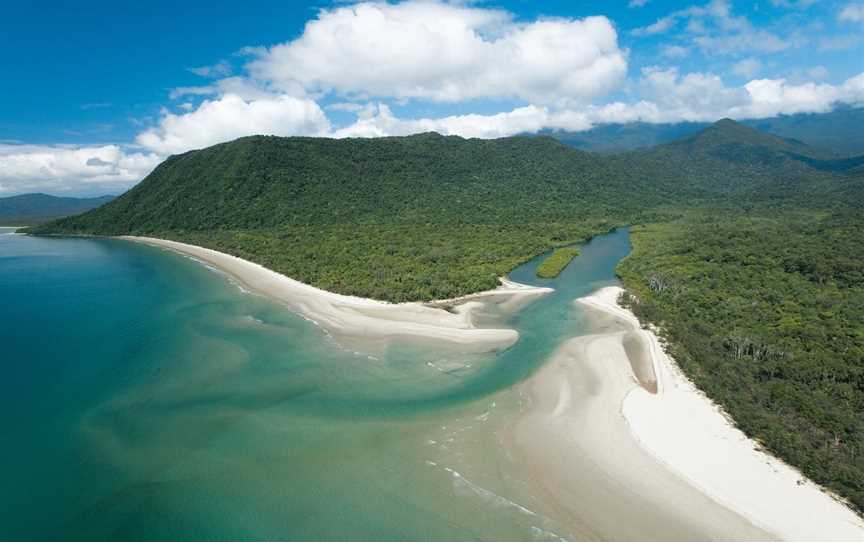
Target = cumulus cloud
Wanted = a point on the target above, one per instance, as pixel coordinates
(666, 96)
(81, 170)
(377, 120)
(446, 52)
(230, 117)
(114, 168)
(672, 97)
(669, 97)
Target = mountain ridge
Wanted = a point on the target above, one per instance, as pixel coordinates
(836, 132)
(26, 209)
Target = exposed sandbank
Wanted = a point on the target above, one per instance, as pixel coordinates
(588, 473)
(368, 320)
(687, 433)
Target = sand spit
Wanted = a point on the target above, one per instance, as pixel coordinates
(588, 472)
(367, 320)
(686, 432)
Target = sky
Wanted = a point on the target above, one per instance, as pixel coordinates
(95, 94)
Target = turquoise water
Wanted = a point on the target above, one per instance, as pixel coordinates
(146, 397)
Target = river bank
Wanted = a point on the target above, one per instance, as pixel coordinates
(671, 449)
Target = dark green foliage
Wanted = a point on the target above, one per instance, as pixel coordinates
(395, 263)
(766, 315)
(556, 262)
(272, 182)
(27, 209)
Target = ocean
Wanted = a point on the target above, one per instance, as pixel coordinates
(148, 397)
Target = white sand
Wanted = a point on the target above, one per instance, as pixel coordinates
(685, 431)
(577, 456)
(367, 319)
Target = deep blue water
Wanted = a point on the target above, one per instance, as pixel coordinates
(145, 397)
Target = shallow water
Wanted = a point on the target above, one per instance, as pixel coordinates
(148, 398)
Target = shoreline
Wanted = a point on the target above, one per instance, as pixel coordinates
(369, 320)
(572, 447)
(691, 436)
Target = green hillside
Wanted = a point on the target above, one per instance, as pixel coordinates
(747, 248)
(427, 216)
(271, 182)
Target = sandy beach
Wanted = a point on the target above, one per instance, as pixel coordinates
(589, 473)
(366, 320)
(603, 445)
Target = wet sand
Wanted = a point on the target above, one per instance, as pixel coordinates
(368, 320)
(624, 447)
(590, 473)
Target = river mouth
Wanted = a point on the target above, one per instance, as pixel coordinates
(172, 405)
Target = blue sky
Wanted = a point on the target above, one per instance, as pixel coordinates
(95, 94)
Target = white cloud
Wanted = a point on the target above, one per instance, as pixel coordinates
(704, 96)
(378, 120)
(112, 168)
(348, 107)
(230, 117)
(80, 170)
(660, 26)
(852, 13)
(220, 69)
(716, 30)
(636, 3)
(771, 97)
(747, 67)
(669, 97)
(446, 52)
(182, 92)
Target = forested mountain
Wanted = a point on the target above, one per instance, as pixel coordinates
(838, 132)
(398, 190)
(34, 208)
(269, 188)
(729, 163)
(266, 182)
(747, 247)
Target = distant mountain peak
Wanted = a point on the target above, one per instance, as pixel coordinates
(726, 134)
(726, 122)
